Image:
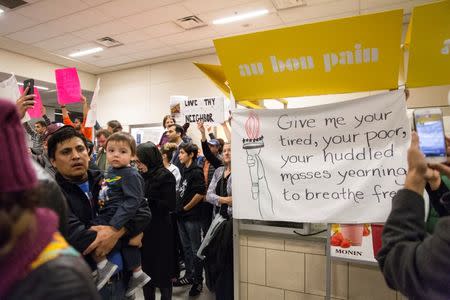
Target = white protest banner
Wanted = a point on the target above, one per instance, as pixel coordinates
(9, 90)
(208, 110)
(334, 163)
(175, 108)
(92, 114)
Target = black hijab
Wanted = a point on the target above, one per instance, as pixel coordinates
(150, 156)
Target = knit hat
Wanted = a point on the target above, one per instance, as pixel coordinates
(16, 172)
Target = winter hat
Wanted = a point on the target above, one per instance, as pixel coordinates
(16, 172)
(52, 128)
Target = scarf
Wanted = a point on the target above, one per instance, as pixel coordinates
(17, 264)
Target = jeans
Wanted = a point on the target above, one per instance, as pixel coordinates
(115, 289)
(149, 293)
(191, 239)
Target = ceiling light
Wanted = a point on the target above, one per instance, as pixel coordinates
(86, 52)
(241, 17)
(1, 11)
(36, 86)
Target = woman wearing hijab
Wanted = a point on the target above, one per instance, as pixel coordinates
(157, 245)
(35, 260)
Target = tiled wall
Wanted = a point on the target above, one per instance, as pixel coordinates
(293, 269)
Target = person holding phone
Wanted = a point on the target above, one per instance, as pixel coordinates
(412, 262)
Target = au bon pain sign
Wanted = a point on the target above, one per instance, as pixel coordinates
(345, 55)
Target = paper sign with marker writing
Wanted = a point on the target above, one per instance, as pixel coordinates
(208, 110)
(67, 86)
(333, 163)
(9, 90)
(92, 114)
(36, 111)
(340, 56)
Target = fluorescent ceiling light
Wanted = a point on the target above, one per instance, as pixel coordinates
(241, 17)
(86, 52)
(1, 11)
(36, 86)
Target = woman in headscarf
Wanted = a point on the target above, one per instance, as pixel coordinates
(35, 260)
(157, 245)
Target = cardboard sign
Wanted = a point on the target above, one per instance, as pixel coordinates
(333, 163)
(36, 111)
(67, 86)
(429, 45)
(339, 56)
(208, 110)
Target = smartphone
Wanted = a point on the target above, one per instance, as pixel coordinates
(29, 83)
(430, 128)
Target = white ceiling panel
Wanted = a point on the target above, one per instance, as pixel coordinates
(51, 9)
(145, 45)
(189, 35)
(11, 22)
(240, 9)
(81, 20)
(123, 8)
(106, 29)
(162, 29)
(319, 11)
(195, 45)
(60, 42)
(84, 46)
(36, 33)
(252, 25)
(95, 2)
(154, 53)
(131, 37)
(369, 4)
(157, 16)
(202, 6)
(113, 61)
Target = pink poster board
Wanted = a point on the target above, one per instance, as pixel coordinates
(36, 111)
(67, 86)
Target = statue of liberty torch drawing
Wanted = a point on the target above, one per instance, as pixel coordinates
(253, 145)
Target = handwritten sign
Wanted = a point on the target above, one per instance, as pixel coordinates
(339, 56)
(9, 90)
(36, 111)
(334, 163)
(67, 86)
(208, 110)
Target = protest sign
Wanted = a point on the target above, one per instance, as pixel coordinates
(68, 86)
(334, 163)
(92, 114)
(192, 110)
(9, 90)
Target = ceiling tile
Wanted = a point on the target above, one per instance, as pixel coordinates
(157, 16)
(36, 33)
(51, 9)
(131, 37)
(113, 61)
(370, 4)
(84, 46)
(251, 25)
(202, 6)
(122, 8)
(195, 45)
(80, 20)
(106, 29)
(162, 29)
(95, 2)
(230, 11)
(12, 22)
(60, 42)
(145, 45)
(189, 35)
(154, 53)
(319, 11)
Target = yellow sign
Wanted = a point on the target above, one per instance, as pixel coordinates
(429, 45)
(217, 76)
(340, 56)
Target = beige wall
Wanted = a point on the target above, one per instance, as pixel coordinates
(276, 268)
(41, 70)
(141, 95)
